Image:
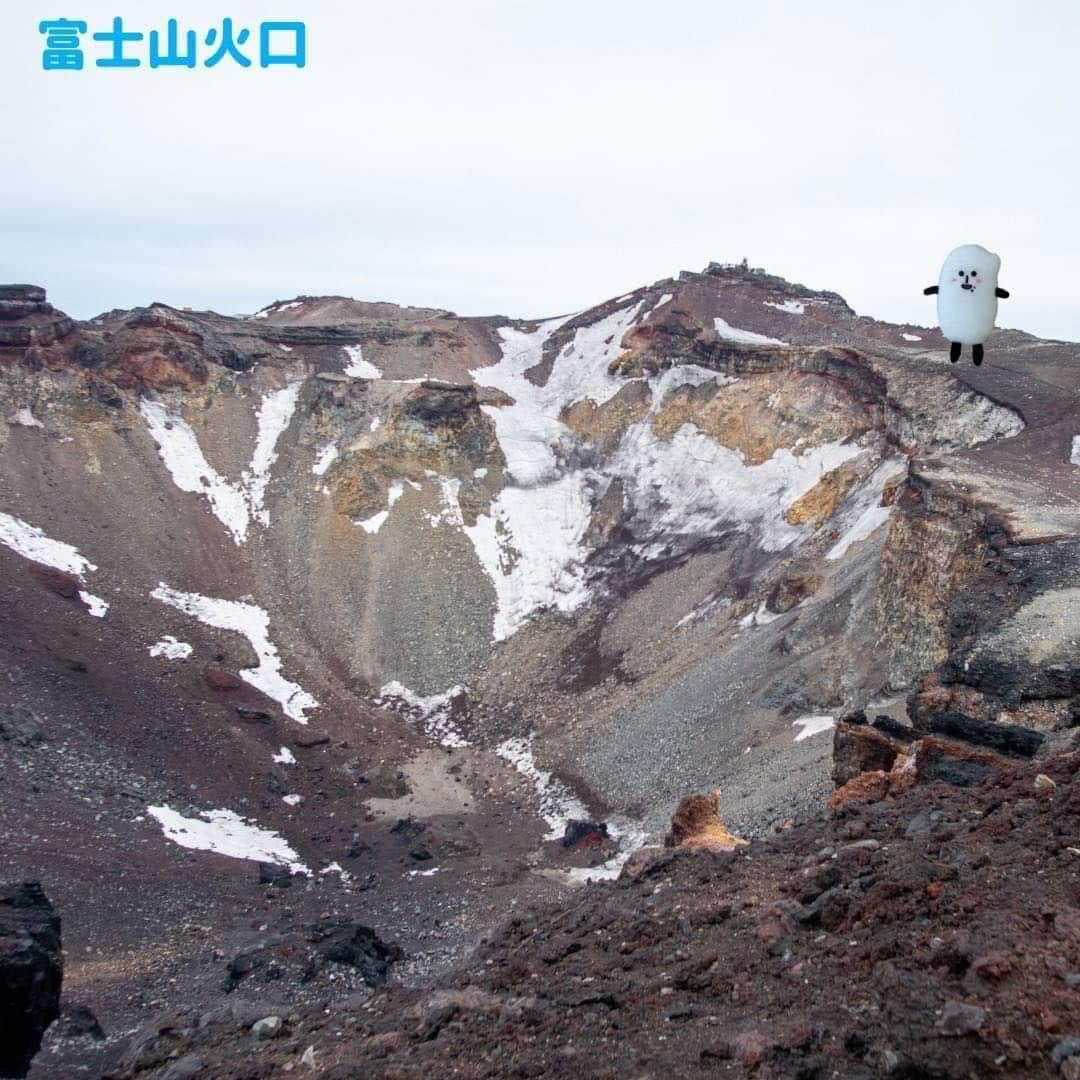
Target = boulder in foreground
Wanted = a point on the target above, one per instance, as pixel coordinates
(31, 969)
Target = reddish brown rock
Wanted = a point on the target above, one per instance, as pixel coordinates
(310, 737)
(859, 748)
(221, 680)
(56, 581)
(696, 824)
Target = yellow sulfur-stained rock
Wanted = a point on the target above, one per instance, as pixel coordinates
(696, 824)
(820, 503)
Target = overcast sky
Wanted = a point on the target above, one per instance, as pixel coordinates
(531, 157)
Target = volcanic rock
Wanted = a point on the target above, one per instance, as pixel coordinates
(31, 971)
(20, 725)
(696, 824)
(578, 833)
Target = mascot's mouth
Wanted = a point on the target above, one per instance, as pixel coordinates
(967, 286)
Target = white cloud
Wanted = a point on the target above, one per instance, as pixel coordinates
(516, 200)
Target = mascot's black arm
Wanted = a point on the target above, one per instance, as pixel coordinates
(1002, 294)
(930, 290)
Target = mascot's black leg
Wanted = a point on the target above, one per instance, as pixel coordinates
(954, 351)
(976, 354)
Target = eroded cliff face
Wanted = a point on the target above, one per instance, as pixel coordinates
(936, 543)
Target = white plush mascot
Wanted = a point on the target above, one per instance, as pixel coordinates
(967, 295)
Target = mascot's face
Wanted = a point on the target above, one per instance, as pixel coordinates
(970, 270)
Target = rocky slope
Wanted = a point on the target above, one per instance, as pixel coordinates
(932, 935)
(385, 597)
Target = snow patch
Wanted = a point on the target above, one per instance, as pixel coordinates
(374, 523)
(358, 367)
(97, 607)
(558, 804)
(690, 485)
(273, 309)
(234, 504)
(1074, 457)
(274, 415)
(629, 835)
(227, 833)
(254, 623)
(284, 757)
(659, 304)
(25, 418)
(171, 649)
(424, 873)
(812, 725)
(434, 713)
(325, 458)
(31, 543)
(911, 337)
(762, 616)
(450, 514)
(865, 514)
(789, 307)
(293, 800)
(746, 337)
(529, 431)
(532, 540)
(531, 543)
(336, 868)
(673, 378)
(711, 605)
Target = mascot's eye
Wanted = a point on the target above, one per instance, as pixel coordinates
(974, 273)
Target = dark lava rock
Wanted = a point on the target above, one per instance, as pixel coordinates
(579, 833)
(791, 591)
(891, 726)
(188, 1067)
(275, 785)
(407, 828)
(958, 1018)
(29, 293)
(77, 1022)
(827, 910)
(1065, 1049)
(272, 874)
(240, 967)
(441, 403)
(300, 956)
(354, 945)
(922, 823)
(31, 970)
(20, 725)
(312, 737)
(1005, 738)
(253, 716)
(956, 771)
